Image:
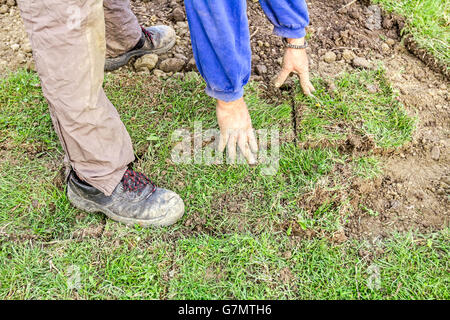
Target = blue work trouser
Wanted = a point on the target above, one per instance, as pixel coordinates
(221, 39)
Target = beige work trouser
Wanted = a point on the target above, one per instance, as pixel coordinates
(69, 48)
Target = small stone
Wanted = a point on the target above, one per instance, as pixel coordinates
(160, 74)
(348, 55)
(373, 22)
(146, 62)
(390, 41)
(172, 65)
(15, 46)
(182, 24)
(385, 48)
(362, 63)
(21, 58)
(11, 3)
(178, 15)
(435, 153)
(26, 47)
(191, 64)
(4, 9)
(180, 56)
(261, 69)
(329, 57)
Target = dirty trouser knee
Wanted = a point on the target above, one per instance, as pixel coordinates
(221, 41)
(122, 28)
(68, 42)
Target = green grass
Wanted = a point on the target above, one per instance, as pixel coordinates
(351, 109)
(239, 236)
(231, 266)
(427, 21)
(367, 167)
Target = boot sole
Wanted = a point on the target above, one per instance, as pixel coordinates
(92, 207)
(112, 64)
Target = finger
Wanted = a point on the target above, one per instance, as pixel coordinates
(223, 141)
(231, 145)
(305, 83)
(243, 146)
(282, 76)
(252, 140)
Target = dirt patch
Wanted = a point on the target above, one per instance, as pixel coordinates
(413, 192)
(15, 48)
(93, 231)
(410, 196)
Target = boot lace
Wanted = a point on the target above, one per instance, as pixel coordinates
(133, 181)
(147, 34)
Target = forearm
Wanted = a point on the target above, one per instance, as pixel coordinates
(289, 17)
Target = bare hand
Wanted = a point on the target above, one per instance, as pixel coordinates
(296, 61)
(236, 129)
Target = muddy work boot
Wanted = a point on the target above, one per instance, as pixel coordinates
(156, 39)
(136, 200)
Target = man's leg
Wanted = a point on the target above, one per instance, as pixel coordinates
(68, 41)
(123, 31)
(221, 45)
(126, 39)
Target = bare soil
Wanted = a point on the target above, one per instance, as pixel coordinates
(413, 191)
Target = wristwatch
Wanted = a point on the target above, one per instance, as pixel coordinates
(294, 46)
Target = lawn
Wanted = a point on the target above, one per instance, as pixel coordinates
(246, 234)
(427, 21)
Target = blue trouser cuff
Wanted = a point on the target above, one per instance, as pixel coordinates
(289, 32)
(225, 96)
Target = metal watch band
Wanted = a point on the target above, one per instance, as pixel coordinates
(293, 46)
